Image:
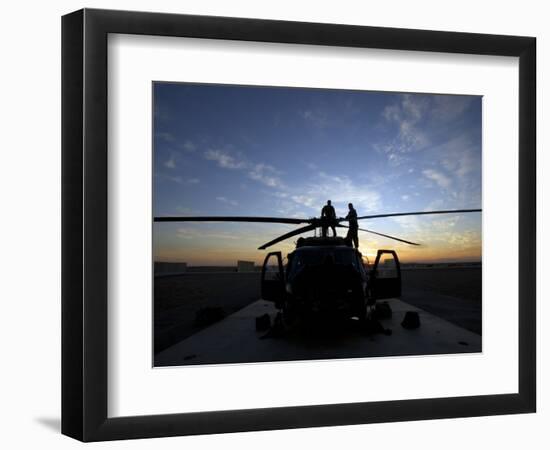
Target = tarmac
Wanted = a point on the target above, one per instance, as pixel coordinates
(235, 340)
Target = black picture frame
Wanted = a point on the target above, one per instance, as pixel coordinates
(84, 224)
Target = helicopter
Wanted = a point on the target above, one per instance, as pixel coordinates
(324, 276)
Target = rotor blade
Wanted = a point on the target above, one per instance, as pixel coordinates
(420, 213)
(231, 219)
(288, 235)
(385, 235)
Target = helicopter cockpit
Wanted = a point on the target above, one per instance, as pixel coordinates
(311, 256)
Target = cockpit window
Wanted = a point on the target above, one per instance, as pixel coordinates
(311, 258)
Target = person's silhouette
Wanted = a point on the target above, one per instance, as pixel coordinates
(328, 218)
(353, 230)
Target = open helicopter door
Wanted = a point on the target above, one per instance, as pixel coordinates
(273, 283)
(385, 278)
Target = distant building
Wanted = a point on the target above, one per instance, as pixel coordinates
(245, 266)
(169, 268)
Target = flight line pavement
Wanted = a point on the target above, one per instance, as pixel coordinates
(235, 340)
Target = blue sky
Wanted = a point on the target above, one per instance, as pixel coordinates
(237, 150)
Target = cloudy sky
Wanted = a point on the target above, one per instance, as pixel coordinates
(234, 150)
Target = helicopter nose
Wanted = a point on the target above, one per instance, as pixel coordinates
(329, 260)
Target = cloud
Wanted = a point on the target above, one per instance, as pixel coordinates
(280, 194)
(312, 166)
(406, 116)
(414, 106)
(261, 172)
(338, 188)
(435, 204)
(441, 179)
(305, 200)
(408, 223)
(396, 159)
(172, 178)
(224, 159)
(265, 174)
(447, 108)
(408, 111)
(342, 189)
(392, 113)
(315, 117)
(459, 160)
(228, 201)
(460, 156)
(186, 210)
(444, 223)
(189, 146)
(171, 163)
(177, 179)
(167, 137)
(412, 113)
(196, 234)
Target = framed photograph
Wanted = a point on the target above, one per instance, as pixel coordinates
(273, 224)
(329, 288)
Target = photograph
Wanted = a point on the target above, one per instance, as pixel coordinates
(296, 223)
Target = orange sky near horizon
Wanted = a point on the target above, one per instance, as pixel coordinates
(222, 250)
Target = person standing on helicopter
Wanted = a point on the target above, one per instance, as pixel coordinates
(328, 218)
(353, 230)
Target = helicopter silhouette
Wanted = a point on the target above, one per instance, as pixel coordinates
(324, 276)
